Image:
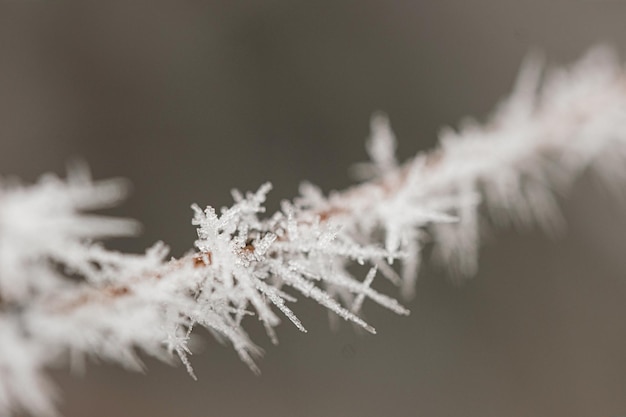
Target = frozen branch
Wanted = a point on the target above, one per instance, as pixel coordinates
(64, 296)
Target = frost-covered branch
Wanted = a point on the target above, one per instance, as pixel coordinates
(64, 296)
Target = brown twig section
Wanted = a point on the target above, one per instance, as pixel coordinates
(110, 292)
(551, 130)
(339, 206)
(515, 166)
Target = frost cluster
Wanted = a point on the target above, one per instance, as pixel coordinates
(64, 296)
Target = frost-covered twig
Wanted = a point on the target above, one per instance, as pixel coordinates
(62, 295)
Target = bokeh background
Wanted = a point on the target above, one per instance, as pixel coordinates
(191, 98)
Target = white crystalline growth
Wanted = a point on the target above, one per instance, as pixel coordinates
(43, 223)
(64, 296)
(511, 168)
(253, 258)
(44, 240)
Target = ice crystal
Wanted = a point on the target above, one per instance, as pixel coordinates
(62, 294)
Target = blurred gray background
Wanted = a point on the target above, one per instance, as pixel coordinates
(189, 99)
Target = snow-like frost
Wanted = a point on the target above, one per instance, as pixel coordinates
(63, 295)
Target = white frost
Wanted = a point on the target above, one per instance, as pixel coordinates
(62, 294)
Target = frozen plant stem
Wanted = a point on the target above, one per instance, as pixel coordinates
(61, 295)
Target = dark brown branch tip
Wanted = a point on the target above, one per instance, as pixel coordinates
(201, 260)
(117, 291)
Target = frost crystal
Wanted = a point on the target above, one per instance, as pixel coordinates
(62, 295)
